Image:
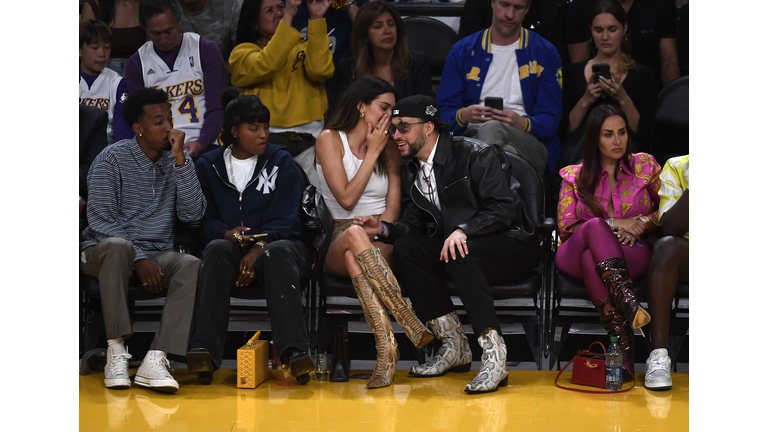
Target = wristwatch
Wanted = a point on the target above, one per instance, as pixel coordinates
(647, 221)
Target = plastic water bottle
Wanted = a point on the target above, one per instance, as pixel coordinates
(613, 361)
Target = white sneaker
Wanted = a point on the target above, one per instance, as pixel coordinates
(153, 373)
(116, 369)
(657, 372)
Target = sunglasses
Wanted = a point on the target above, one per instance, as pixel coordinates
(402, 127)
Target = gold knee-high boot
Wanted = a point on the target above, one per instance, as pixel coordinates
(385, 285)
(386, 347)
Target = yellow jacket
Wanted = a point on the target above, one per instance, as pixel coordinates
(287, 74)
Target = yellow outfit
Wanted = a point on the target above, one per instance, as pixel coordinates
(674, 181)
(287, 74)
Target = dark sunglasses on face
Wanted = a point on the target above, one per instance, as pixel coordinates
(402, 127)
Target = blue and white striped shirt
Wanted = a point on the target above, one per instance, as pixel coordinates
(131, 197)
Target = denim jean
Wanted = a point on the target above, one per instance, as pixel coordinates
(118, 66)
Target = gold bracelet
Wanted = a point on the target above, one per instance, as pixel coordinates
(261, 243)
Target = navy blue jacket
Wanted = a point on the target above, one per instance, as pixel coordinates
(269, 204)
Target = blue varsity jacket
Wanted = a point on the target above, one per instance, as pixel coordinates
(541, 81)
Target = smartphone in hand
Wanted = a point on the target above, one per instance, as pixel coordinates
(495, 103)
(601, 70)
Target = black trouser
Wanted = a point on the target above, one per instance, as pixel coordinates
(491, 259)
(279, 269)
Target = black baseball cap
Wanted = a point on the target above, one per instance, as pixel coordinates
(421, 107)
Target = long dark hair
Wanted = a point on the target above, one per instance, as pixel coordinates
(250, 12)
(590, 167)
(614, 8)
(365, 64)
(346, 116)
(240, 109)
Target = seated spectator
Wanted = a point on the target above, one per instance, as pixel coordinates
(669, 265)
(93, 139)
(137, 188)
(652, 34)
(462, 221)
(477, 15)
(380, 48)
(339, 24)
(271, 60)
(122, 16)
(632, 86)
(215, 20)
(252, 187)
(359, 171)
(608, 206)
(188, 67)
(517, 65)
(101, 87)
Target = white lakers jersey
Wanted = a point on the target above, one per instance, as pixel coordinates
(102, 94)
(184, 84)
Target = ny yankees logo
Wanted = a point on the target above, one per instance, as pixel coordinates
(267, 181)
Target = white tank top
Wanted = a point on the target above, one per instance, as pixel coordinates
(102, 95)
(374, 197)
(184, 84)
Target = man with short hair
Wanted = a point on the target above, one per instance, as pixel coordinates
(188, 67)
(509, 62)
(136, 189)
(458, 205)
(215, 20)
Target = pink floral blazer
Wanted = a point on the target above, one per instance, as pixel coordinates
(636, 193)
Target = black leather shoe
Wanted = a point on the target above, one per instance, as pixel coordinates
(205, 378)
(301, 364)
(303, 379)
(199, 360)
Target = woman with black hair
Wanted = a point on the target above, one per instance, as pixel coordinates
(630, 86)
(607, 209)
(252, 229)
(379, 47)
(273, 61)
(359, 170)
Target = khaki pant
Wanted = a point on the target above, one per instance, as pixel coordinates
(111, 260)
(514, 141)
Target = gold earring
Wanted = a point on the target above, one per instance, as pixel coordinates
(362, 114)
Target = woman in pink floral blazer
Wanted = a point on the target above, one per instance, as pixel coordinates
(608, 207)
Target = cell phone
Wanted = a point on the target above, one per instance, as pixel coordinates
(495, 102)
(254, 235)
(601, 70)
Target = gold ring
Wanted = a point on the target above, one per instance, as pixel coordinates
(386, 132)
(245, 271)
(237, 237)
(613, 90)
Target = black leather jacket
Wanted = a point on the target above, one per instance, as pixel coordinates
(474, 191)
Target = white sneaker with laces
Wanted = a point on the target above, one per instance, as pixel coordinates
(153, 373)
(116, 369)
(658, 368)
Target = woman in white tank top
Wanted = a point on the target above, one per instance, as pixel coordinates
(359, 170)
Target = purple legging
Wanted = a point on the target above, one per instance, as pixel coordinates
(592, 243)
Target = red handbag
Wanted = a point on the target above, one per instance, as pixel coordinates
(589, 370)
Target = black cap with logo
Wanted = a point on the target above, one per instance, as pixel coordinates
(421, 107)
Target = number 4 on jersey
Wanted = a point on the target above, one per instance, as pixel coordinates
(187, 107)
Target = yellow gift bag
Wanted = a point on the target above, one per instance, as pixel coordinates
(252, 362)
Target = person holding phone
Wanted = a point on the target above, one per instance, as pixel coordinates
(273, 61)
(510, 62)
(607, 212)
(253, 188)
(611, 76)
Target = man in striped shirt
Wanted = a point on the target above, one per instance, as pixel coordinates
(137, 188)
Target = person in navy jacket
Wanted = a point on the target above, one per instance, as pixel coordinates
(254, 188)
(515, 64)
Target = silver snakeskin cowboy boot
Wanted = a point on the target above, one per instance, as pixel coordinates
(386, 346)
(385, 285)
(454, 354)
(493, 373)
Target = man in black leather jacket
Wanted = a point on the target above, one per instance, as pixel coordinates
(461, 221)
